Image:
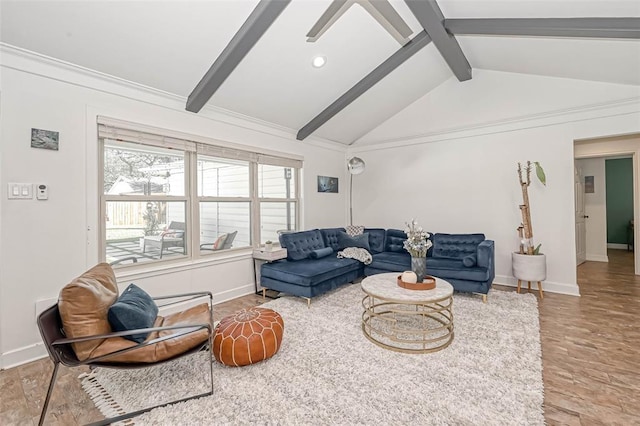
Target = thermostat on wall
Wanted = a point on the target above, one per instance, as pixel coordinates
(42, 192)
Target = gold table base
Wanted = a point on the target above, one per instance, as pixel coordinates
(408, 327)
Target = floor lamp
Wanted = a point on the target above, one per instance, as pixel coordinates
(355, 166)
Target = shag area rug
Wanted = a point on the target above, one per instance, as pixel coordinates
(327, 372)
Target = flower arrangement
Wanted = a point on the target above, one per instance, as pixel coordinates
(417, 242)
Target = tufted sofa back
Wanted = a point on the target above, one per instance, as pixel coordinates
(455, 246)
(394, 240)
(300, 244)
(376, 239)
(330, 237)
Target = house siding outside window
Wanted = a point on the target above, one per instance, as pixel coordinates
(166, 198)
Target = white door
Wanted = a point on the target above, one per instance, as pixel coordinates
(581, 229)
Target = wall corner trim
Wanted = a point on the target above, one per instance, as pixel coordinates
(551, 118)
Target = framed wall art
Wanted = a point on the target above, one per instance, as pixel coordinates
(45, 139)
(327, 184)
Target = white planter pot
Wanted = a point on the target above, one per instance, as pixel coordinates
(529, 267)
(268, 247)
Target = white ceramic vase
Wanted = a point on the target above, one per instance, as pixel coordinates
(528, 267)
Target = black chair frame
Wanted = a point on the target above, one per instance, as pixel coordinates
(61, 352)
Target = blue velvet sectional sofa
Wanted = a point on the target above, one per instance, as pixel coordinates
(466, 261)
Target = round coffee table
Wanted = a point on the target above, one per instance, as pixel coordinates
(411, 321)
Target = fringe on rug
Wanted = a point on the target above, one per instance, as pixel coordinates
(101, 398)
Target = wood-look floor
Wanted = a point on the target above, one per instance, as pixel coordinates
(590, 354)
(591, 346)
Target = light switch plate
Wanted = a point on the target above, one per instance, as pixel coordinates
(19, 191)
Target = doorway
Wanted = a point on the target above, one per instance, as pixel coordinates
(606, 201)
(604, 207)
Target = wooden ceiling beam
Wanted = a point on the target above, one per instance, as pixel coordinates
(628, 28)
(381, 10)
(261, 18)
(381, 71)
(428, 13)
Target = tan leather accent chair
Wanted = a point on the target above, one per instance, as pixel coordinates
(76, 331)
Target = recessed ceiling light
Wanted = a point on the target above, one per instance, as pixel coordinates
(319, 61)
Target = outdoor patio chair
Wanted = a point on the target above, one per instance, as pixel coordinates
(76, 332)
(227, 243)
(173, 236)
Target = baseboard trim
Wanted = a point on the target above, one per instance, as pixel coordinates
(617, 246)
(23, 355)
(234, 293)
(547, 286)
(597, 258)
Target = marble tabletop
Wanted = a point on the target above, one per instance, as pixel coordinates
(385, 286)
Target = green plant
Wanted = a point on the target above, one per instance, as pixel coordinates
(151, 220)
(525, 230)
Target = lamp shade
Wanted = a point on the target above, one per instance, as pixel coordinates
(355, 165)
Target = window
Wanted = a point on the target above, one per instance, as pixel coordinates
(224, 188)
(278, 201)
(167, 198)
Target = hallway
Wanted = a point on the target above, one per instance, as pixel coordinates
(591, 346)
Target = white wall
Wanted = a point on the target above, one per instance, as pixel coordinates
(462, 178)
(595, 206)
(495, 98)
(45, 244)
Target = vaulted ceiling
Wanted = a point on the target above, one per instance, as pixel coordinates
(169, 45)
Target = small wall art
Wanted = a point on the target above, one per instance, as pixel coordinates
(327, 184)
(45, 139)
(589, 185)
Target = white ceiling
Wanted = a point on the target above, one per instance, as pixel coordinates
(169, 45)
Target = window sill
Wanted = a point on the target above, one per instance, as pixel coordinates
(139, 272)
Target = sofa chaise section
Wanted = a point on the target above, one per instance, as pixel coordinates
(311, 277)
(301, 276)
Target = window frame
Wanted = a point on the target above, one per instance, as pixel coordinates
(208, 149)
(218, 199)
(295, 200)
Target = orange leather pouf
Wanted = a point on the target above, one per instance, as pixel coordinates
(248, 336)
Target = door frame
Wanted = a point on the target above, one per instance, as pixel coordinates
(578, 177)
(636, 188)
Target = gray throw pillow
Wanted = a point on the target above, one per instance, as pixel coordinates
(361, 241)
